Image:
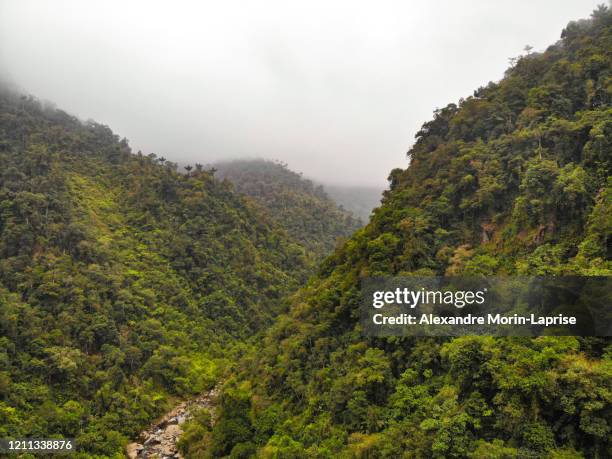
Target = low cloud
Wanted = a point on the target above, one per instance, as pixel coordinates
(335, 89)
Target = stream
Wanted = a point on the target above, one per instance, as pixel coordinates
(160, 439)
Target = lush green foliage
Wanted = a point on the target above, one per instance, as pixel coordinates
(514, 180)
(123, 284)
(295, 203)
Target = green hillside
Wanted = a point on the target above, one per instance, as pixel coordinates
(123, 284)
(515, 179)
(305, 210)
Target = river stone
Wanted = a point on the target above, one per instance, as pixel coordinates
(133, 449)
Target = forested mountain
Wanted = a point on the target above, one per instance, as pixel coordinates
(512, 180)
(295, 203)
(360, 200)
(123, 284)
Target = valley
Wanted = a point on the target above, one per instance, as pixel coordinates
(159, 311)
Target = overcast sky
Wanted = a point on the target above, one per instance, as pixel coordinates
(335, 88)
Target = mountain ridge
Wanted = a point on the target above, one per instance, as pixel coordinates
(123, 284)
(299, 205)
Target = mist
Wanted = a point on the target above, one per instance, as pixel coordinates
(335, 89)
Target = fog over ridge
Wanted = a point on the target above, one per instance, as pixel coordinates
(335, 89)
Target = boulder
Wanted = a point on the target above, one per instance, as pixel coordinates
(133, 449)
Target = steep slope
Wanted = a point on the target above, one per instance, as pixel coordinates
(123, 284)
(302, 208)
(513, 180)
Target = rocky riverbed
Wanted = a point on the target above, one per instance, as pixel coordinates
(159, 440)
